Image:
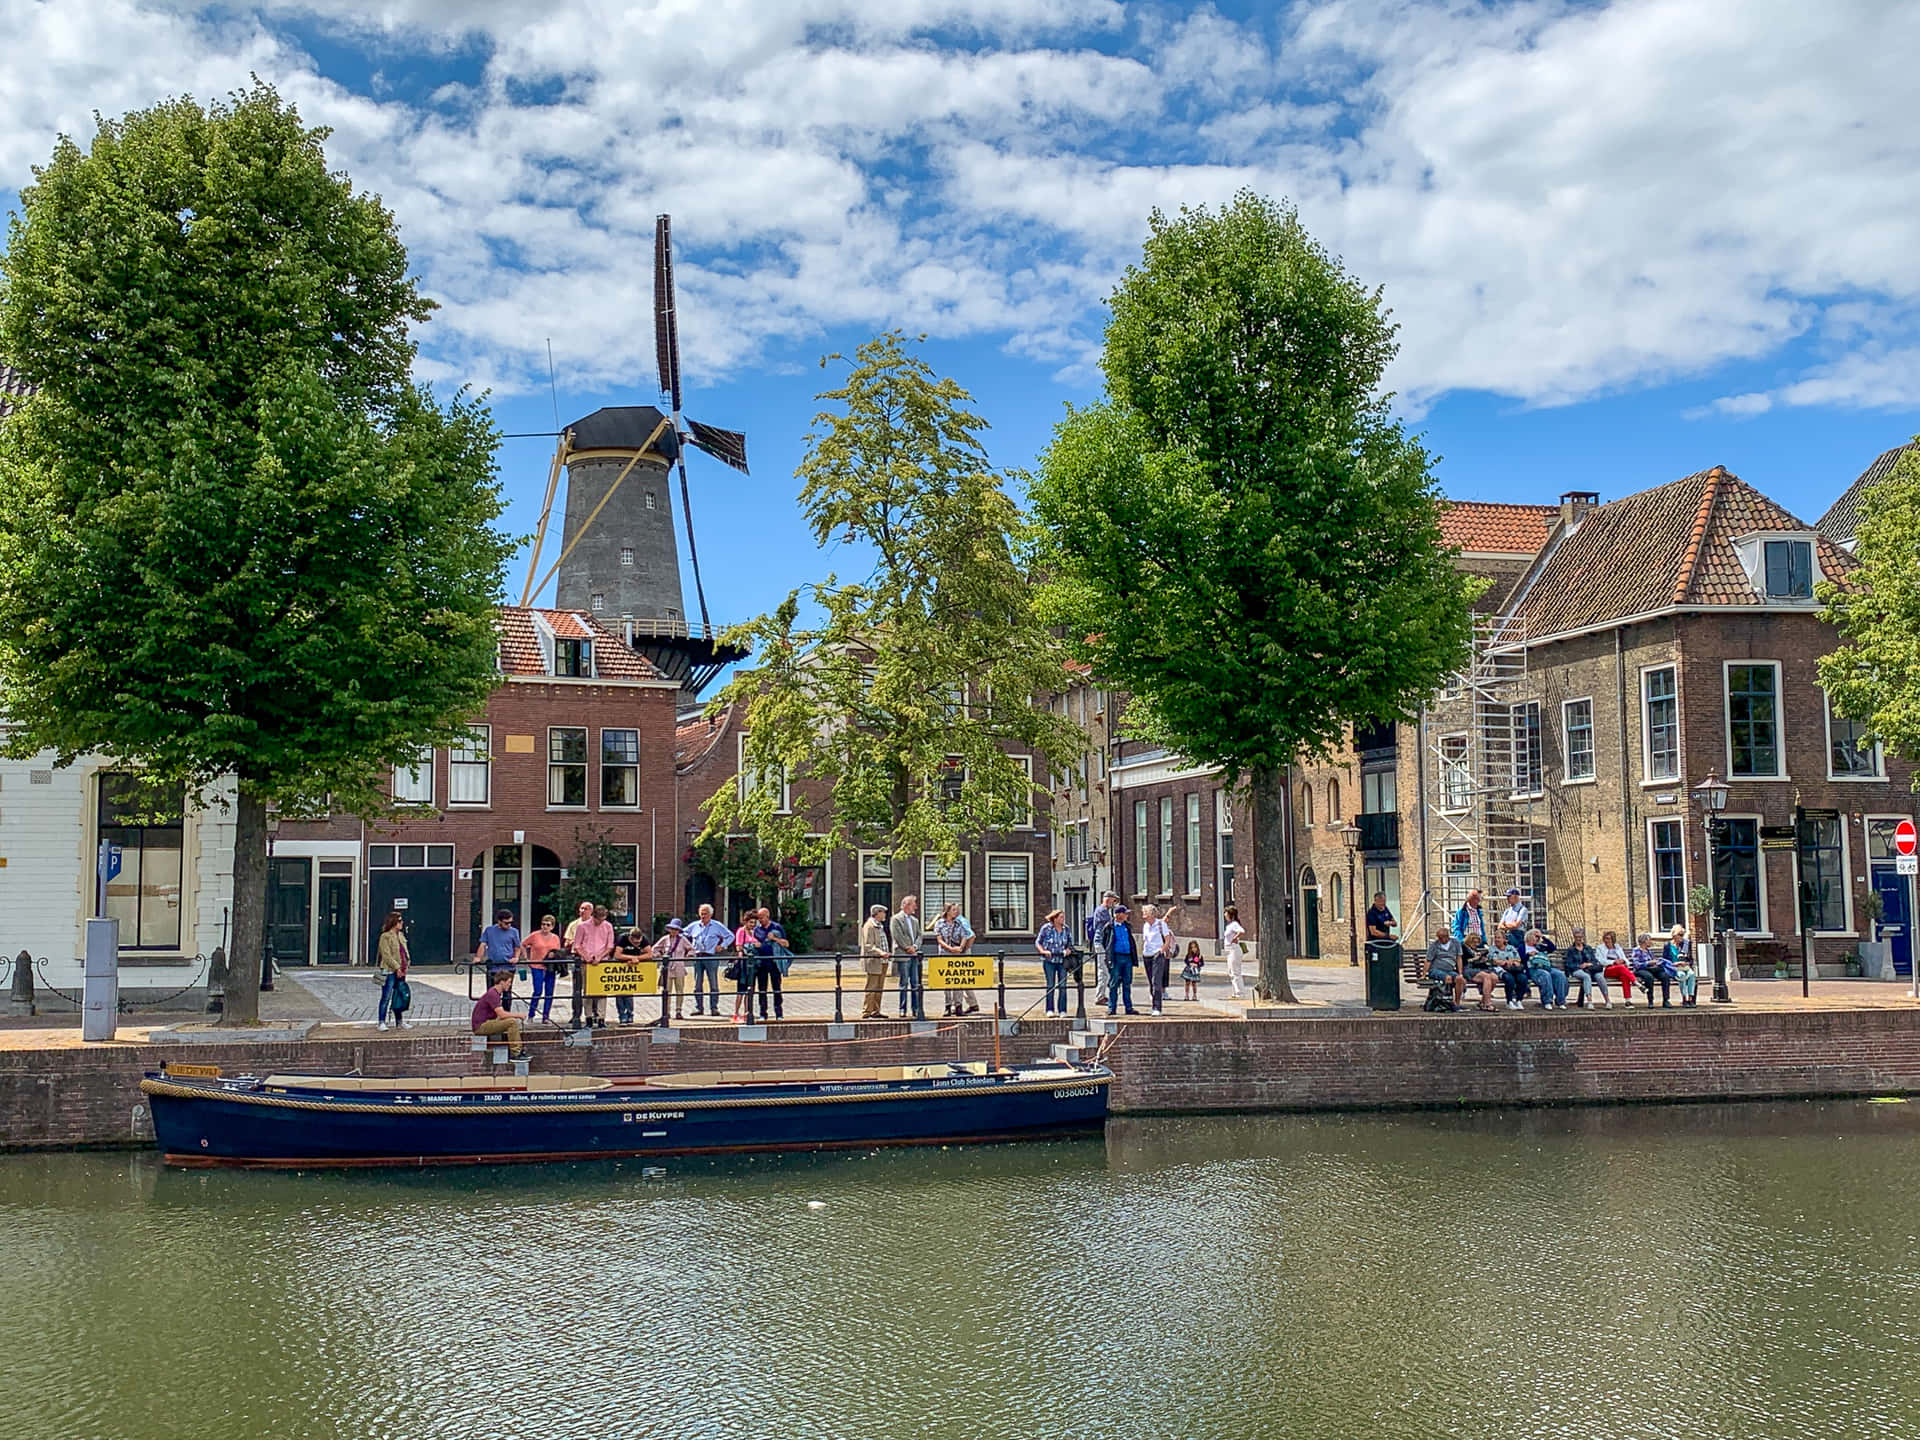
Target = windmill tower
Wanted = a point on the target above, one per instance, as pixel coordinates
(619, 557)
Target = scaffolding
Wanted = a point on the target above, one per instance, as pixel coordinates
(1484, 766)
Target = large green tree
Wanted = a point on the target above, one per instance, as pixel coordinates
(1240, 534)
(237, 541)
(1874, 677)
(890, 708)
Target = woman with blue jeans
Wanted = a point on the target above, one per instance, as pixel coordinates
(1547, 977)
(392, 960)
(1053, 942)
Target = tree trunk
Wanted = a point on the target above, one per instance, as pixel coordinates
(1269, 795)
(242, 1005)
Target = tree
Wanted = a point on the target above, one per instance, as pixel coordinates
(597, 868)
(1874, 677)
(1240, 534)
(897, 714)
(741, 863)
(237, 542)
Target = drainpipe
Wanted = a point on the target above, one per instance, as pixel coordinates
(1626, 789)
(1420, 789)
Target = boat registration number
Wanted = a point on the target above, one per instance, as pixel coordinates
(1073, 1092)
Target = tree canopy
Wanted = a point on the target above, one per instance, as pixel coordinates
(1874, 677)
(1240, 534)
(237, 540)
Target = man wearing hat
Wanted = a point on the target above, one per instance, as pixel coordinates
(1515, 918)
(1120, 961)
(876, 952)
(672, 951)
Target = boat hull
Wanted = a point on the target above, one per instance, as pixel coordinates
(202, 1123)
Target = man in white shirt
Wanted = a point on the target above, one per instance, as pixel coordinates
(1514, 917)
(709, 938)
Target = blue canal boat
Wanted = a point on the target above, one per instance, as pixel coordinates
(309, 1121)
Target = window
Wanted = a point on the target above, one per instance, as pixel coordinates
(1073, 844)
(1669, 874)
(626, 554)
(1823, 877)
(469, 768)
(1576, 717)
(751, 780)
(1336, 898)
(1333, 800)
(1023, 809)
(1306, 807)
(1880, 839)
(1009, 893)
(1192, 885)
(571, 657)
(1139, 847)
(1378, 793)
(876, 882)
(1660, 712)
(1086, 837)
(599, 603)
(810, 885)
(1456, 878)
(941, 886)
(619, 769)
(1528, 769)
(146, 896)
(1383, 880)
(1532, 880)
(1166, 845)
(1753, 721)
(1223, 843)
(1852, 754)
(626, 883)
(413, 784)
(1737, 872)
(653, 501)
(567, 767)
(1789, 569)
(1456, 778)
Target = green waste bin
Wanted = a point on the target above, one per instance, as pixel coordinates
(1383, 974)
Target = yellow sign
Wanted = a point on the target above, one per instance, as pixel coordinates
(959, 972)
(175, 1067)
(624, 977)
(519, 744)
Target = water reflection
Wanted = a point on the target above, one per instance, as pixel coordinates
(1707, 1271)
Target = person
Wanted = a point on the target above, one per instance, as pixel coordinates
(908, 959)
(1053, 943)
(1156, 951)
(1516, 918)
(1190, 970)
(1232, 941)
(1443, 964)
(1469, 920)
(955, 937)
(776, 954)
(709, 938)
(1544, 969)
(1652, 968)
(629, 948)
(392, 961)
(746, 966)
(1120, 957)
(491, 1016)
(1615, 965)
(1479, 969)
(537, 951)
(1679, 953)
(591, 939)
(499, 946)
(874, 952)
(1380, 921)
(1585, 971)
(1100, 933)
(1513, 970)
(672, 949)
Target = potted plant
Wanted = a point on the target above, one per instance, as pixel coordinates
(1875, 956)
(1852, 961)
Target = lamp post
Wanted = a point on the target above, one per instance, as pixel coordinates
(1712, 795)
(1350, 837)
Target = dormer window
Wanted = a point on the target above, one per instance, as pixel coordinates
(572, 658)
(1787, 566)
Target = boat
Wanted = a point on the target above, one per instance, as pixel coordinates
(203, 1118)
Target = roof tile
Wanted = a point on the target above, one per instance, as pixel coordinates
(521, 654)
(1842, 520)
(1486, 528)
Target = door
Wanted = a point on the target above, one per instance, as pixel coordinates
(289, 901)
(425, 897)
(1309, 915)
(1896, 926)
(334, 938)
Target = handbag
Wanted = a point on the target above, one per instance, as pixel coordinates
(402, 996)
(732, 972)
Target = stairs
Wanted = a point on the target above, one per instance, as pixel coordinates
(1081, 1041)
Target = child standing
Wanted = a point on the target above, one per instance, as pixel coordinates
(1190, 969)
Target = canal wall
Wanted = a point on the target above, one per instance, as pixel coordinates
(72, 1097)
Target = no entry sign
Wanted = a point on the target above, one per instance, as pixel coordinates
(1904, 838)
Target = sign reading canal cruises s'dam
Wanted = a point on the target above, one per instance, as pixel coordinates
(959, 972)
(625, 977)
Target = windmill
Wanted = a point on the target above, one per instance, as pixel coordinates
(618, 557)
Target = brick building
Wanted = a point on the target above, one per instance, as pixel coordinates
(1082, 806)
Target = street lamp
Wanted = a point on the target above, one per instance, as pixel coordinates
(1712, 795)
(1350, 837)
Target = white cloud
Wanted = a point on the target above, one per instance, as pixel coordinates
(1561, 199)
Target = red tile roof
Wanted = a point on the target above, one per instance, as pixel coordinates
(1842, 520)
(1491, 529)
(692, 739)
(1671, 545)
(521, 653)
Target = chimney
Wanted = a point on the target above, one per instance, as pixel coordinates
(1575, 504)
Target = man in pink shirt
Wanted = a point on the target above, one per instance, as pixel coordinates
(592, 940)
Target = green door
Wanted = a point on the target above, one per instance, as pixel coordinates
(1309, 915)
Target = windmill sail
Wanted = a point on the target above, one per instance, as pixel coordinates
(729, 447)
(666, 325)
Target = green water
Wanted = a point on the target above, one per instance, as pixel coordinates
(1742, 1272)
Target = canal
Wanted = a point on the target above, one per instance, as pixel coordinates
(1747, 1272)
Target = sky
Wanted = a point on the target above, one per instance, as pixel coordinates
(1623, 241)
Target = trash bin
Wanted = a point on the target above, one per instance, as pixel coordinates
(1383, 974)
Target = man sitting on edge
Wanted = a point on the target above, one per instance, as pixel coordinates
(491, 1017)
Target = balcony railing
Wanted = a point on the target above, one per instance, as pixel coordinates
(1379, 832)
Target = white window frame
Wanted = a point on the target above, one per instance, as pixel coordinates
(1306, 804)
(1647, 777)
(586, 768)
(1686, 877)
(605, 765)
(1140, 835)
(1192, 877)
(1848, 876)
(1566, 743)
(826, 892)
(1522, 752)
(750, 780)
(420, 775)
(1165, 847)
(1760, 865)
(461, 758)
(1450, 901)
(1879, 774)
(1465, 767)
(1336, 889)
(1779, 720)
(986, 926)
(929, 911)
(1023, 812)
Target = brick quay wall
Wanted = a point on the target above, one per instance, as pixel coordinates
(72, 1098)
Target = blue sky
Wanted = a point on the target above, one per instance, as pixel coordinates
(1624, 241)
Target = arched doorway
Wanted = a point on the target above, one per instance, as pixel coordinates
(503, 878)
(1309, 914)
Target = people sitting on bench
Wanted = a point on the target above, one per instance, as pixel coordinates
(1479, 969)
(1544, 969)
(1585, 972)
(1650, 968)
(1513, 970)
(1616, 965)
(1446, 986)
(491, 1017)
